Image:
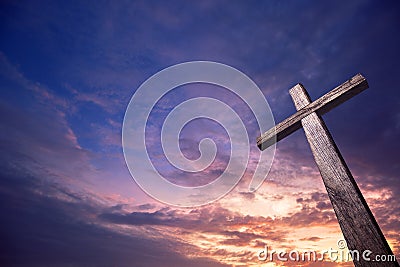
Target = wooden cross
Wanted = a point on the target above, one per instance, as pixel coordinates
(356, 220)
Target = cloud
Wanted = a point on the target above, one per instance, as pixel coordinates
(37, 136)
(313, 238)
(212, 219)
(49, 231)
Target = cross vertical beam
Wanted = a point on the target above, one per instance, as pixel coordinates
(356, 220)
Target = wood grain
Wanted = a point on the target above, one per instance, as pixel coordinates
(322, 105)
(356, 220)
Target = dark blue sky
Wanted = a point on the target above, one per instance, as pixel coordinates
(69, 68)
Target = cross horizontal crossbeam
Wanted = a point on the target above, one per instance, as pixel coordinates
(320, 106)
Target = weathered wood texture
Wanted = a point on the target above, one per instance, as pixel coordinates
(358, 225)
(322, 105)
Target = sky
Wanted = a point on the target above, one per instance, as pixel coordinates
(68, 70)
